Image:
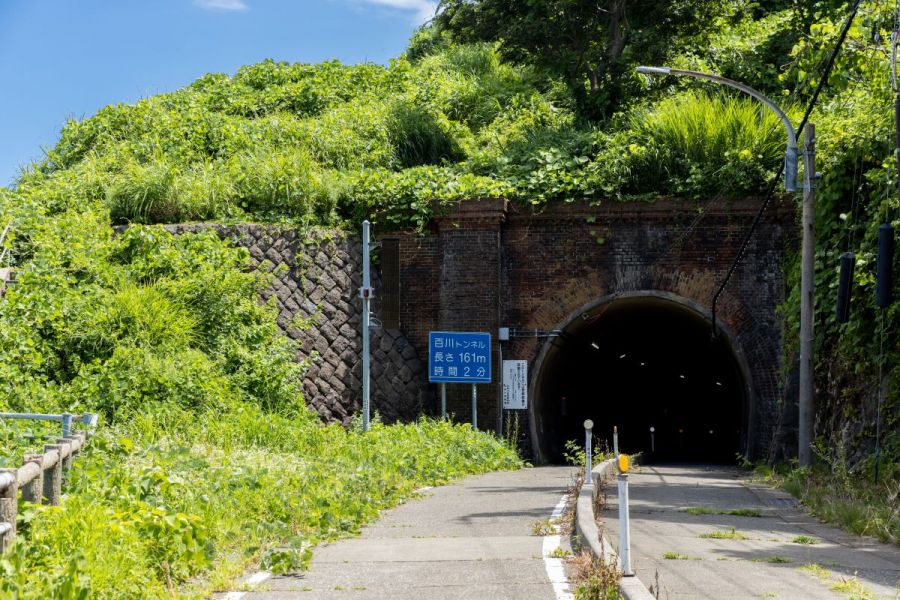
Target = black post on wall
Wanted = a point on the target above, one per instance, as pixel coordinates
(390, 282)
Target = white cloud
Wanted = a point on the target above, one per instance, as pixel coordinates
(423, 9)
(221, 4)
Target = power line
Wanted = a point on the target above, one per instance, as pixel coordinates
(823, 81)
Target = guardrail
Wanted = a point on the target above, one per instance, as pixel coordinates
(41, 476)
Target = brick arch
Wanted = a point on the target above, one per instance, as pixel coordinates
(736, 343)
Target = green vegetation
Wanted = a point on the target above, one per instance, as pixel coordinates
(208, 460)
(594, 579)
(738, 512)
(731, 534)
(851, 586)
(804, 539)
(834, 494)
(699, 510)
(678, 556)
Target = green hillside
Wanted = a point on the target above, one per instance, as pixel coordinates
(165, 337)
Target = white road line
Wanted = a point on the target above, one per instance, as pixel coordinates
(556, 567)
(254, 579)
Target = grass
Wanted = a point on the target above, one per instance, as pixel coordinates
(851, 586)
(678, 556)
(849, 500)
(186, 505)
(731, 534)
(737, 512)
(699, 510)
(543, 527)
(804, 539)
(593, 579)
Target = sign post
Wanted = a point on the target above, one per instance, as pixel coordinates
(459, 357)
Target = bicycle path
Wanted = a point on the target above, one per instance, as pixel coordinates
(469, 540)
(769, 562)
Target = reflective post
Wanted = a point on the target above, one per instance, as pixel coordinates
(652, 439)
(615, 440)
(588, 453)
(624, 521)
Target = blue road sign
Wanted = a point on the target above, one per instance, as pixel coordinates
(459, 357)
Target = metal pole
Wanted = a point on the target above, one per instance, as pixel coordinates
(500, 391)
(474, 407)
(615, 441)
(66, 424)
(624, 527)
(807, 334)
(443, 400)
(365, 293)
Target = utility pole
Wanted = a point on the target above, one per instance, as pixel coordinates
(365, 292)
(807, 282)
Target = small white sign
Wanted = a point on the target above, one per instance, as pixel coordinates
(515, 384)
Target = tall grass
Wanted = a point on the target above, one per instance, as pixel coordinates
(677, 136)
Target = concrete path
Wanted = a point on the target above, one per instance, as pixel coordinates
(767, 564)
(472, 539)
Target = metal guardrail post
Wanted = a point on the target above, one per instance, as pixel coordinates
(66, 424)
(33, 491)
(9, 504)
(53, 478)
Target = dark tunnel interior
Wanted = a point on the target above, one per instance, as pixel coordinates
(650, 367)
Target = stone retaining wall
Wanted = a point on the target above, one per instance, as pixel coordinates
(317, 275)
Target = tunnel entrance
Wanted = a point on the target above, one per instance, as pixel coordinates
(638, 363)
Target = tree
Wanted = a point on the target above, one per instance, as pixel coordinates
(592, 44)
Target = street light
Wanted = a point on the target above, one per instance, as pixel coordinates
(790, 155)
(808, 244)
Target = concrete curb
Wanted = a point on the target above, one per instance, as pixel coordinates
(631, 588)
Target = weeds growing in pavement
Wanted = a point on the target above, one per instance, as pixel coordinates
(593, 579)
(731, 534)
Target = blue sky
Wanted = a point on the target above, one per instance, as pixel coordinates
(68, 58)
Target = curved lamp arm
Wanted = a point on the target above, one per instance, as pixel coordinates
(791, 154)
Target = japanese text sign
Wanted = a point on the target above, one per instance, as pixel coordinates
(515, 384)
(459, 357)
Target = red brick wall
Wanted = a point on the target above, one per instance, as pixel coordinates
(492, 264)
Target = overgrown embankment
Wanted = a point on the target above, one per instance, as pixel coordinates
(165, 335)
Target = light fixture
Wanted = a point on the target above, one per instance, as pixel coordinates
(595, 346)
(622, 356)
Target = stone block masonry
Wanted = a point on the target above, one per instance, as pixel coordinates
(316, 278)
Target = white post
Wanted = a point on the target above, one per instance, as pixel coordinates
(652, 440)
(474, 407)
(615, 441)
(365, 293)
(624, 527)
(443, 400)
(588, 452)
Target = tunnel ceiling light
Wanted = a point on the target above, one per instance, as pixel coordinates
(719, 383)
(595, 346)
(622, 356)
(681, 376)
(642, 364)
